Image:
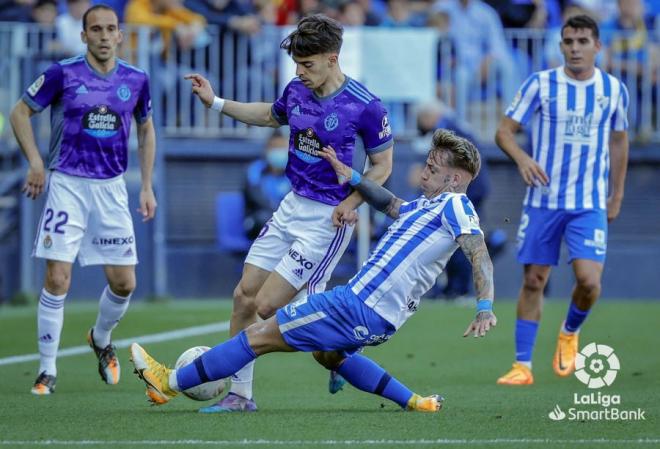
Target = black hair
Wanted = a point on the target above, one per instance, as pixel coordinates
(315, 35)
(582, 21)
(95, 8)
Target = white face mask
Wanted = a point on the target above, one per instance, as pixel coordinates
(278, 157)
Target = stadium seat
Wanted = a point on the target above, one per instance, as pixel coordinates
(229, 214)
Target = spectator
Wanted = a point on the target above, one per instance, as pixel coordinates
(478, 36)
(352, 14)
(69, 26)
(16, 10)
(266, 185)
(171, 17)
(44, 12)
(400, 14)
(236, 15)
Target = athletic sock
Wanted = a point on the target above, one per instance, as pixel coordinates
(574, 319)
(218, 362)
(364, 374)
(50, 317)
(525, 338)
(241, 381)
(112, 308)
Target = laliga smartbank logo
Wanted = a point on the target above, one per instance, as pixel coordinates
(596, 366)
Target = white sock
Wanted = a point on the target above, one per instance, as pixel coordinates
(50, 317)
(241, 382)
(527, 364)
(566, 331)
(111, 309)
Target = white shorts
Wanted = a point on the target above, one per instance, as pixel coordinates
(300, 243)
(88, 218)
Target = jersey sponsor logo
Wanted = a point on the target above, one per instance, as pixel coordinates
(295, 255)
(386, 129)
(34, 87)
(331, 122)
(295, 110)
(123, 92)
(82, 89)
(112, 241)
(578, 126)
(48, 242)
(101, 122)
(307, 146)
(360, 332)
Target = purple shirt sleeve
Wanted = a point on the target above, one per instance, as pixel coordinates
(375, 128)
(278, 110)
(45, 89)
(142, 110)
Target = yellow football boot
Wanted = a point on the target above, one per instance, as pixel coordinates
(155, 375)
(518, 375)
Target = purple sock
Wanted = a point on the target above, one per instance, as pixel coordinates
(218, 362)
(575, 317)
(364, 374)
(525, 339)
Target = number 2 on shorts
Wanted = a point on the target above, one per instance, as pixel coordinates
(62, 219)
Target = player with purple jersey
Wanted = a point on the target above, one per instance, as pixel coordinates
(93, 99)
(299, 248)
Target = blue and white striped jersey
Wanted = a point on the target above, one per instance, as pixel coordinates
(413, 253)
(571, 123)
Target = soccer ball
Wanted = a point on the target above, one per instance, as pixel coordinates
(202, 392)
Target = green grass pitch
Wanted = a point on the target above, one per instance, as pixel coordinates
(428, 354)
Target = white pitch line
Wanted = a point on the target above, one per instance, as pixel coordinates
(126, 342)
(441, 441)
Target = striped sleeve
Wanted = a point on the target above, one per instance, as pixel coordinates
(459, 217)
(526, 101)
(620, 116)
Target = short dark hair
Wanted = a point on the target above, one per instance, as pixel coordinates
(582, 21)
(453, 151)
(95, 8)
(315, 35)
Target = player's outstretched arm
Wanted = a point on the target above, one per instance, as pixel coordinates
(531, 172)
(474, 248)
(251, 113)
(147, 153)
(22, 127)
(377, 196)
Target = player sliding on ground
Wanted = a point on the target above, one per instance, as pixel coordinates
(377, 300)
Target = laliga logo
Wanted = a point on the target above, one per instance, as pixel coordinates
(596, 365)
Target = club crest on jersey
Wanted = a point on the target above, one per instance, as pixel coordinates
(101, 122)
(331, 122)
(307, 146)
(34, 87)
(123, 92)
(602, 101)
(48, 242)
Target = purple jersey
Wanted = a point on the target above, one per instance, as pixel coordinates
(337, 120)
(90, 115)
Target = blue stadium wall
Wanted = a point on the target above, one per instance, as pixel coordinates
(196, 170)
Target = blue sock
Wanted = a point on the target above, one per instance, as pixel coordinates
(364, 374)
(218, 362)
(525, 339)
(575, 317)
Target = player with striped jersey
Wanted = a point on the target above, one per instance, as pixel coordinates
(377, 300)
(299, 248)
(578, 116)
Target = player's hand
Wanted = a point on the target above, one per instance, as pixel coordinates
(35, 180)
(202, 88)
(613, 207)
(532, 173)
(481, 324)
(343, 171)
(147, 204)
(344, 214)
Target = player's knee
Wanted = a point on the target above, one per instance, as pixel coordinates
(535, 281)
(58, 281)
(244, 302)
(123, 285)
(588, 283)
(265, 311)
(329, 360)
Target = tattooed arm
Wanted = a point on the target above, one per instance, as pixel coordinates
(475, 250)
